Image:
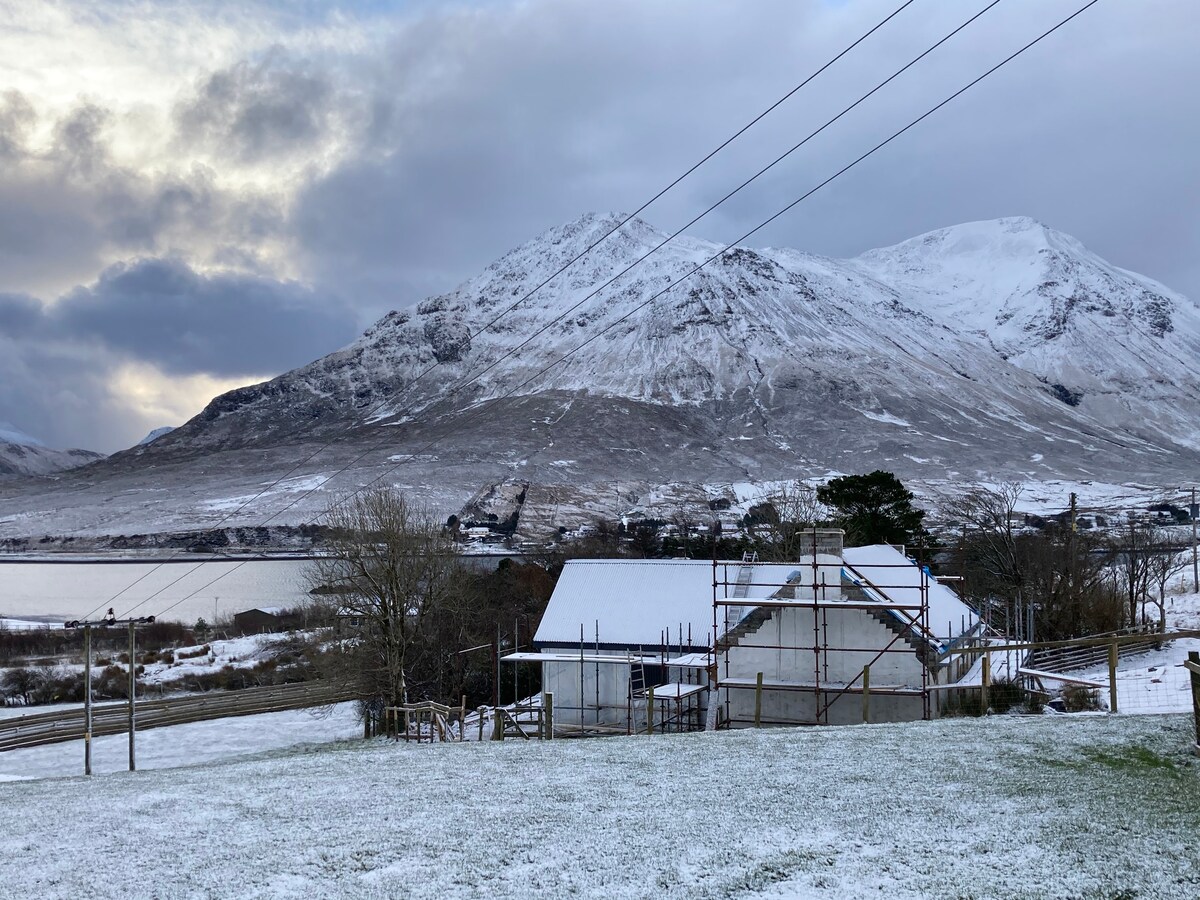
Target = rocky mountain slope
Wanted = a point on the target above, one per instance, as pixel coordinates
(21, 454)
(998, 349)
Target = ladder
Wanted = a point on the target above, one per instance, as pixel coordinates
(637, 675)
(741, 586)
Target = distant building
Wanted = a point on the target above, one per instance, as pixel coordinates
(263, 619)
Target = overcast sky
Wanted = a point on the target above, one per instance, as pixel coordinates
(198, 195)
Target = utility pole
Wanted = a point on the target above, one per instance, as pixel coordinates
(87, 699)
(132, 695)
(1195, 511)
(109, 620)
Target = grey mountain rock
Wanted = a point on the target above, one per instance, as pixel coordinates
(23, 455)
(999, 349)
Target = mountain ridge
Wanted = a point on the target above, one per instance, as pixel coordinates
(988, 350)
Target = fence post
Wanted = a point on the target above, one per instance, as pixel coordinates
(462, 720)
(482, 711)
(548, 717)
(650, 710)
(1194, 658)
(985, 684)
(866, 694)
(758, 701)
(497, 725)
(1112, 677)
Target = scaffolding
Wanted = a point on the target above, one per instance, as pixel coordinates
(807, 642)
(627, 691)
(791, 658)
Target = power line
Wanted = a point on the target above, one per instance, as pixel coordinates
(875, 149)
(571, 262)
(456, 389)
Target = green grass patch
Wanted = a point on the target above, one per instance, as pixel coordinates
(1134, 759)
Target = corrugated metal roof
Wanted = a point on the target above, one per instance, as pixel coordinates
(632, 602)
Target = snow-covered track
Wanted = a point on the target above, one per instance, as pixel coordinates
(113, 718)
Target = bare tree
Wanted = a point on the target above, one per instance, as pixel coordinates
(1163, 564)
(393, 567)
(1049, 583)
(1132, 548)
(990, 550)
(792, 512)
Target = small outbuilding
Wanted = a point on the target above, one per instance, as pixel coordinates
(262, 619)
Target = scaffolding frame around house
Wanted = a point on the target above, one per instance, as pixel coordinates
(634, 706)
(912, 630)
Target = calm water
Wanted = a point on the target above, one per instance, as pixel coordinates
(179, 591)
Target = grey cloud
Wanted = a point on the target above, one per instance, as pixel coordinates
(160, 311)
(491, 126)
(66, 213)
(17, 116)
(58, 392)
(79, 140)
(56, 360)
(275, 107)
(20, 314)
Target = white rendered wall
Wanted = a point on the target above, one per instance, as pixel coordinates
(838, 629)
(606, 683)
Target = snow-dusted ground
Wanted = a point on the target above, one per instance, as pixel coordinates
(183, 745)
(240, 652)
(243, 652)
(1092, 807)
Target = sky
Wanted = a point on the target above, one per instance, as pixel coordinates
(200, 195)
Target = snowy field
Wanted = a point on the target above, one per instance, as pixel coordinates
(1052, 807)
(183, 745)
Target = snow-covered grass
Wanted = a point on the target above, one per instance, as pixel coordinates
(186, 745)
(241, 653)
(1092, 807)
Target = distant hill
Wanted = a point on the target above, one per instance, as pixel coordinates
(21, 454)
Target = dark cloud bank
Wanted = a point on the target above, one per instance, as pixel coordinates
(472, 127)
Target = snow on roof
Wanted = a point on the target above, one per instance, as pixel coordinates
(632, 602)
(898, 579)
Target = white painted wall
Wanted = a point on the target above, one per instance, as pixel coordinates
(839, 632)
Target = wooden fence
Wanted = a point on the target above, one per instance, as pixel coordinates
(1067, 659)
(113, 718)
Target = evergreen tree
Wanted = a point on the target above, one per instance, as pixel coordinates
(873, 509)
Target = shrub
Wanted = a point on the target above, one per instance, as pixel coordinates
(1077, 698)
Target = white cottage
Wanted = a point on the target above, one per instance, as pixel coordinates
(720, 643)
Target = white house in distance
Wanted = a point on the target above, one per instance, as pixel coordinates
(699, 634)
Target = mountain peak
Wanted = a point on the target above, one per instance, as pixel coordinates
(1010, 236)
(10, 434)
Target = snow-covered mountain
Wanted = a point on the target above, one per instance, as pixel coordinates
(21, 454)
(155, 434)
(998, 349)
